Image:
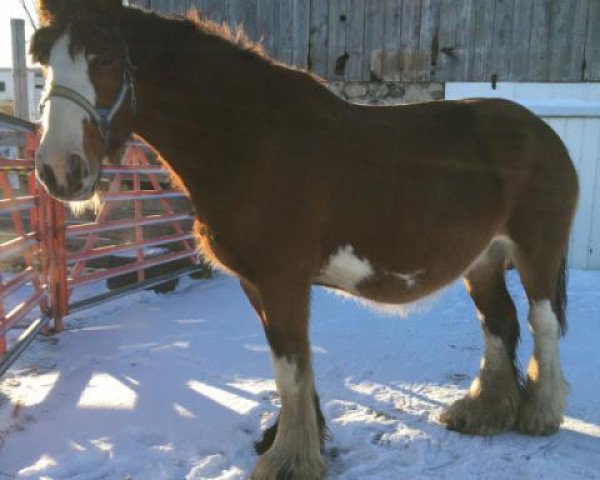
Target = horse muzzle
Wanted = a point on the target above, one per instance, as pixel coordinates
(71, 179)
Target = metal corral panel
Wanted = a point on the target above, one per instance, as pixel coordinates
(573, 110)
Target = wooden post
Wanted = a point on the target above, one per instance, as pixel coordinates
(21, 96)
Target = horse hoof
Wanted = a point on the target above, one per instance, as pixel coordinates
(537, 419)
(537, 424)
(541, 410)
(275, 466)
(481, 415)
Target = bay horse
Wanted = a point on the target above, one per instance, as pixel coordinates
(294, 187)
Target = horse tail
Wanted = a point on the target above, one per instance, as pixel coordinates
(560, 300)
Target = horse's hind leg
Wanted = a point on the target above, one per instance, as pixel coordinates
(543, 276)
(492, 402)
(539, 225)
(292, 448)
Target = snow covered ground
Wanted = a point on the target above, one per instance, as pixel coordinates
(177, 387)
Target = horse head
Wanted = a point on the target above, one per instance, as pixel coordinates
(88, 103)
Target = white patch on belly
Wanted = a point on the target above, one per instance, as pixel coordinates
(409, 278)
(345, 269)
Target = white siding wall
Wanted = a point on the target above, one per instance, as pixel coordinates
(573, 110)
(35, 85)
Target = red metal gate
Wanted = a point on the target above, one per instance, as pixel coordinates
(140, 237)
(24, 290)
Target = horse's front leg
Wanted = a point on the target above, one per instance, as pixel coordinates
(295, 453)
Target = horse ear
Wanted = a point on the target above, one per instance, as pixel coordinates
(41, 43)
(46, 9)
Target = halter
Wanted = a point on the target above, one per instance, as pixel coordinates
(101, 116)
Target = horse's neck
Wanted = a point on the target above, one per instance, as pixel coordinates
(189, 97)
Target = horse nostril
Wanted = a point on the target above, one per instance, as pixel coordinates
(47, 177)
(47, 172)
(75, 162)
(77, 166)
(40, 172)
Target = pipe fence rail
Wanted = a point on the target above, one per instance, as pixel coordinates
(54, 262)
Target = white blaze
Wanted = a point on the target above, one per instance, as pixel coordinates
(62, 120)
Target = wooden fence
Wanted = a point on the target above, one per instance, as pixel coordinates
(420, 40)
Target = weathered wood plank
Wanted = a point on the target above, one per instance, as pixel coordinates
(179, 7)
(455, 40)
(427, 39)
(502, 39)
(301, 32)
(398, 40)
(567, 39)
(409, 39)
(392, 31)
(521, 32)
(538, 44)
(277, 31)
(19, 65)
(480, 49)
(243, 14)
(236, 11)
(592, 47)
(249, 19)
(223, 7)
(283, 30)
(319, 36)
(337, 57)
(213, 10)
(445, 57)
(161, 6)
(465, 37)
(265, 24)
(373, 49)
(355, 39)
